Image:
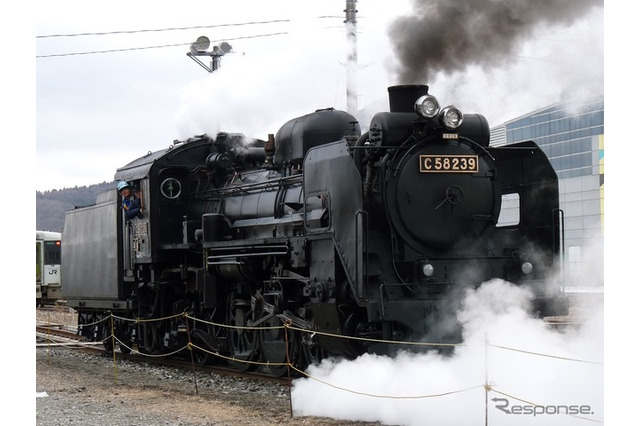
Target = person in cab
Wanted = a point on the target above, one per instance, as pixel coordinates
(130, 201)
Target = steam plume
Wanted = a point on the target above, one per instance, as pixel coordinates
(547, 370)
(450, 35)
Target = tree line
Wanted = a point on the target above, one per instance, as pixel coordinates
(52, 205)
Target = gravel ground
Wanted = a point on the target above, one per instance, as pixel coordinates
(73, 388)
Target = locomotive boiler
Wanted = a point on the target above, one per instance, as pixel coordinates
(346, 234)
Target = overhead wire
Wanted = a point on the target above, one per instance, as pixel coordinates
(163, 29)
(160, 30)
(152, 47)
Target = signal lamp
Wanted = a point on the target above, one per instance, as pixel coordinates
(201, 45)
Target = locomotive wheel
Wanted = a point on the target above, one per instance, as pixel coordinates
(274, 347)
(243, 344)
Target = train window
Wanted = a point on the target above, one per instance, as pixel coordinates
(52, 252)
(510, 210)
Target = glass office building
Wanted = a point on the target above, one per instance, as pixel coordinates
(571, 134)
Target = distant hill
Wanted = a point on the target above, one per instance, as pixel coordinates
(52, 205)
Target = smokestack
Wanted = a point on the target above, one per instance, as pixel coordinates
(403, 98)
(352, 57)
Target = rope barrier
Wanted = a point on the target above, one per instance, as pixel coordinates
(287, 325)
(564, 358)
(95, 322)
(142, 320)
(384, 396)
(240, 361)
(112, 317)
(366, 339)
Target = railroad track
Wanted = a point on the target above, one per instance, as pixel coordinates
(49, 335)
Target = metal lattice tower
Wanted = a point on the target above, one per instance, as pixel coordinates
(352, 57)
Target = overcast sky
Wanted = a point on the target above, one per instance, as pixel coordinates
(95, 112)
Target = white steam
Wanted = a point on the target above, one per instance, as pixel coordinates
(546, 368)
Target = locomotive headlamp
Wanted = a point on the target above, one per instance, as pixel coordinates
(427, 269)
(526, 268)
(427, 106)
(451, 117)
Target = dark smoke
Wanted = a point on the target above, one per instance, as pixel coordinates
(449, 35)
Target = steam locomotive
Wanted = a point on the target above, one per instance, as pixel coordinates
(373, 235)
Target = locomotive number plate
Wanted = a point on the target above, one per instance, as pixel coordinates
(448, 164)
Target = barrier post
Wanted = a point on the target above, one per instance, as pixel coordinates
(190, 347)
(286, 348)
(486, 381)
(113, 350)
(49, 339)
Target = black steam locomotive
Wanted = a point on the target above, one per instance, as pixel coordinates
(372, 235)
